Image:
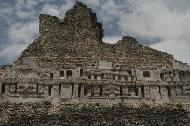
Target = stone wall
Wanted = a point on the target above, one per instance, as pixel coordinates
(93, 114)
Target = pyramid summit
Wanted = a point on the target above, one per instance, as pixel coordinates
(69, 61)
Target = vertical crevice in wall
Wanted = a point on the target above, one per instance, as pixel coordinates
(182, 90)
(136, 90)
(15, 88)
(142, 90)
(169, 92)
(72, 90)
(159, 88)
(92, 90)
(81, 72)
(3, 88)
(101, 90)
(59, 89)
(49, 90)
(79, 91)
(85, 90)
(121, 91)
(37, 86)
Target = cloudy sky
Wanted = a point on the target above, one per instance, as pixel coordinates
(160, 24)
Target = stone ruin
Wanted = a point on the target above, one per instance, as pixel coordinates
(69, 62)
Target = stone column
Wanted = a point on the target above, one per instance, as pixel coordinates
(82, 91)
(97, 90)
(6, 89)
(75, 91)
(172, 92)
(55, 91)
(125, 91)
(147, 92)
(179, 91)
(139, 92)
(44, 90)
(164, 93)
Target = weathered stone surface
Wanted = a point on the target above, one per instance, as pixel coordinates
(70, 61)
(45, 114)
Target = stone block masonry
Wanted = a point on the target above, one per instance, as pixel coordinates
(70, 62)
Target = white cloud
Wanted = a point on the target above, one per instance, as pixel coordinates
(112, 39)
(11, 51)
(23, 32)
(57, 10)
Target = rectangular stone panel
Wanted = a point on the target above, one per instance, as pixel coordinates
(55, 90)
(117, 90)
(97, 90)
(106, 90)
(66, 91)
(75, 91)
(12, 88)
(125, 91)
(186, 90)
(179, 91)
(154, 92)
(164, 93)
(173, 92)
(41, 89)
(146, 91)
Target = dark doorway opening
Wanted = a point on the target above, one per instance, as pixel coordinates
(69, 73)
(49, 90)
(3, 88)
(81, 72)
(51, 75)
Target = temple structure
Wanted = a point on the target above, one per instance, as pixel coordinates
(70, 62)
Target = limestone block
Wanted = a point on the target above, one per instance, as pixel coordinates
(12, 88)
(116, 77)
(164, 93)
(139, 92)
(7, 89)
(117, 90)
(45, 90)
(125, 91)
(82, 91)
(123, 78)
(32, 89)
(105, 65)
(173, 92)
(98, 77)
(96, 90)
(55, 90)
(40, 89)
(89, 90)
(108, 89)
(129, 78)
(75, 91)
(186, 90)
(66, 90)
(146, 91)
(132, 91)
(179, 91)
(154, 92)
(111, 96)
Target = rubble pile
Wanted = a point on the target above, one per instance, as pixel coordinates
(38, 114)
